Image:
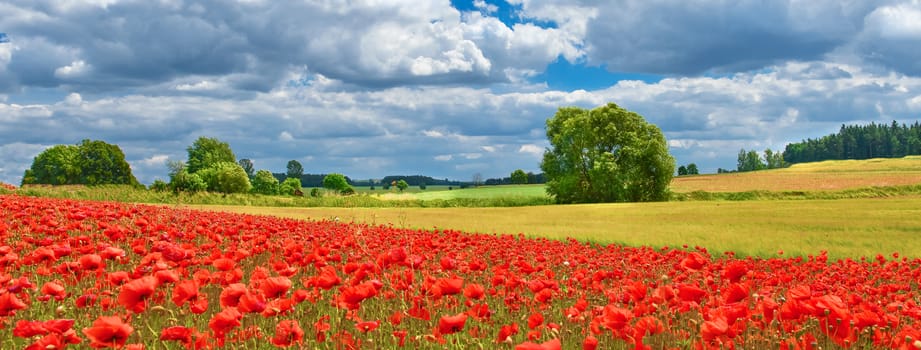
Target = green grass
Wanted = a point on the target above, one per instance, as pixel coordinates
(845, 228)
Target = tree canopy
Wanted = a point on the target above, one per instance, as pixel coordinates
(607, 154)
(519, 177)
(205, 152)
(295, 169)
(91, 162)
(335, 182)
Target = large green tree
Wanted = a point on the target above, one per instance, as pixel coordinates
(607, 154)
(102, 163)
(295, 169)
(335, 182)
(56, 165)
(225, 177)
(248, 167)
(519, 177)
(264, 183)
(90, 162)
(205, 152)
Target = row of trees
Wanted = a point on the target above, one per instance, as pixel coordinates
(752, 161)
(90, 162)
(690, 169)
(859, 142)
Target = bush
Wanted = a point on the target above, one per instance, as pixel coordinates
(315, 192)
(159, 186)
(348, 191)
(226, 177)
(265, 183)
(422, 186)
(185, 182)
(291, 186)
(335, 182)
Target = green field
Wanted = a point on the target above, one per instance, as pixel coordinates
(845, 228)
(443, 193)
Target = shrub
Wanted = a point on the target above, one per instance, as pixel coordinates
(347, 191)
(291, 186)
(185, 182)
(159, 186)
(226, 177)
(265, 183)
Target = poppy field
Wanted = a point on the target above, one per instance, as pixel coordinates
(80, 274)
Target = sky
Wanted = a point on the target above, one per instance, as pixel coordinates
(447, 89)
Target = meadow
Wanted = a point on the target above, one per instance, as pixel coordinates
(844, 228)
(767, 266)
(80, 274)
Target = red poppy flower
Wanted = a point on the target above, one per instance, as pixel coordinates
(451, 324)
(133, 294)
(54, 290)
(176, 333)
(91, 262)
(590, 343)
(275, 287)
(287, 332)
(108, 331)
(367, 326)
(222, 322)
(553, 344)
(9, 303)
(506, 332)
(474, 291)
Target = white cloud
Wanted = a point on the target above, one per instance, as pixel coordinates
(489, 149)
(902, 21)
(443, 157)
(472, 155)
(432, 133)
(73, 99)
(285, 136)
(75, 70)
(203, 85)
(155, 160)
(531, 149)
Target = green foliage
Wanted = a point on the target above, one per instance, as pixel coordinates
(348, 191)
(751, 161)
(206, 152)
(290, 186)
(56, 165)
(607, 154)
(265, 183)
(225, 177)
(101, 163)
(315, 192)
(335, 182)
(159, 186)
(90, 162)
(858, 142)
(682, 170)
(248, 167)
(402, 185)
(295, 169)
(519, 177)
(692, 169)
(422, 186)
(182, 181)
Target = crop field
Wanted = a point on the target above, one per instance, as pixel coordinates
(819, 176)
(844, 228)
(80, 274)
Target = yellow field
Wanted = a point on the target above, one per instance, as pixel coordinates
(845, 228)
(828, 175)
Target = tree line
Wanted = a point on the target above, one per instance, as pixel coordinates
(858, 142)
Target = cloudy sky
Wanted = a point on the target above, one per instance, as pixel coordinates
(442, 88)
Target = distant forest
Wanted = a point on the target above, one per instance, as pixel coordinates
(858, 142)
(316, 180)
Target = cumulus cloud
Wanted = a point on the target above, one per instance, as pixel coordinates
(417, 87)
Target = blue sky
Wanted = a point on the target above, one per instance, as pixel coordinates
(442, 88)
